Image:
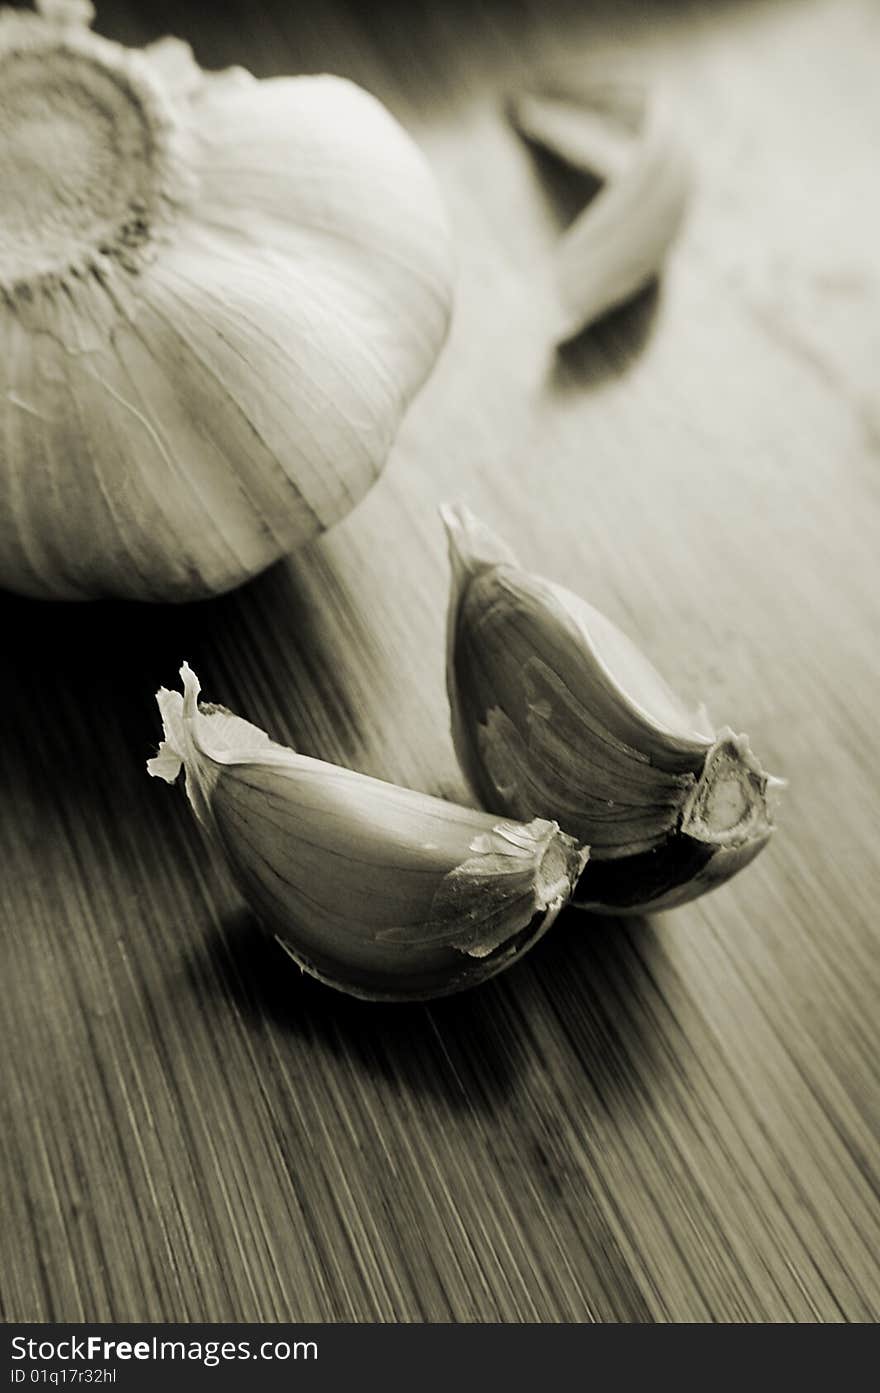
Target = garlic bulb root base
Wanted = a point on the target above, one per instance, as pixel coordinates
(87, 155)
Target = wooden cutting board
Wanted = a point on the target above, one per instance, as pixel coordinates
(671, 1118)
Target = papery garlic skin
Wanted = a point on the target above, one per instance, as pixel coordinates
(556, 713)
(378, 891)
(218, 296)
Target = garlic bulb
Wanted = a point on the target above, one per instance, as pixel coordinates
(617, 128)
(555, 713)
(377, 890)
(217, 297)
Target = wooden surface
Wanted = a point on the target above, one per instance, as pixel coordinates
(665, 1119)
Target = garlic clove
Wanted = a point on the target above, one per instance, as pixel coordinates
(555, 713)
(618, 129)
(377, 890)
(226, 303)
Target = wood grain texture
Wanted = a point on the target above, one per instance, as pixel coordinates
(646, 1120)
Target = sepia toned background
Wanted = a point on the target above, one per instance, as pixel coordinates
(648, 1119)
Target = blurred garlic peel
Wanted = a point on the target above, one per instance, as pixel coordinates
(218, 295)
(620, 131)
(379, 891)
(555, 713)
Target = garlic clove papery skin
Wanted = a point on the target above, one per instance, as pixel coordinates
(205, 365)
(376, 890)
(556, 713)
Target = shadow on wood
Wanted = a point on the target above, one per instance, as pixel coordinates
(473, 1047)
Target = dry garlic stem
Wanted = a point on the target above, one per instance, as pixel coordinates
(618, 130)
(556, 713)
(376, 890)
(217, 297)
